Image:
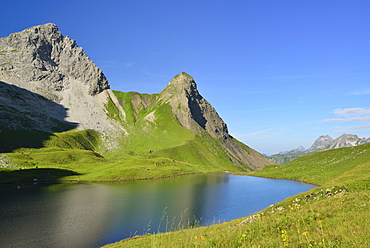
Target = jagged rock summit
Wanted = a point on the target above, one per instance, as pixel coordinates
(322, 143)
(196, 114)
(345, 140)
(51, 66)
(43, 55)
(191, 109)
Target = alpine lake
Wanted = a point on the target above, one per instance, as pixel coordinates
(93, 215)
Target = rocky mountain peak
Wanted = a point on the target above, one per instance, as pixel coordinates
(197, 115)
(181, 83)
(347, 140)
(321, 141)
(182, 80)
(298, 149)
(42, 60)
(191, 109)
(47, 28)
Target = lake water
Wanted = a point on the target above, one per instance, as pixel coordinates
(92, 215)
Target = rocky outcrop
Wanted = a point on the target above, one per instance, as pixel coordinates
(191, 109)
(196, 114)
(345, 140)
(23, 109)
(43, 61)
(321, 142)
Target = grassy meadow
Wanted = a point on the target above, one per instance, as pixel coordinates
(334, 214)
(155, 145)
(73, 156)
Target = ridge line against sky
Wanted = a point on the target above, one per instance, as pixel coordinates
(279, 73)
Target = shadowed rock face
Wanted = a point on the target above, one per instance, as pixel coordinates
(43, 61)
(197, 114)
(191, 109)
(321, 142)
(22, 109)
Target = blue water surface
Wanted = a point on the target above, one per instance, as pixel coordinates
(92, 215)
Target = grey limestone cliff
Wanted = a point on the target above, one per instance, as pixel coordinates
(191, 109)
(47, 64)
(321, 142)
(345, 140)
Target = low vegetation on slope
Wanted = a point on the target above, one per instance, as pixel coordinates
(332, 215)
(320, 167)
(77, 152)
(154, 133)
(156, 145)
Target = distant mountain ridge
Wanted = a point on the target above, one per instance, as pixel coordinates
(322, 143)
(298, 149)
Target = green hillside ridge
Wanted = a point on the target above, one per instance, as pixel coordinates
(155, 145)
(323, 143)
(162, 136)
(14, 139)
(76, 151)
(144, 134)
(286, 158)
(320, 167)
(334, 214)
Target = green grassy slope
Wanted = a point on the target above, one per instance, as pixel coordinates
(46, 156)
(320, 167)
(15, 139)
(155, 133)
(156, 145)
(332, 215)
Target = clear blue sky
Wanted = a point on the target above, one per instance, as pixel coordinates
(279, 72)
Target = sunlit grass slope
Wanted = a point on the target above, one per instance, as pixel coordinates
(154, 145)
(320, 167)
(155, 133)
(332, 215)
